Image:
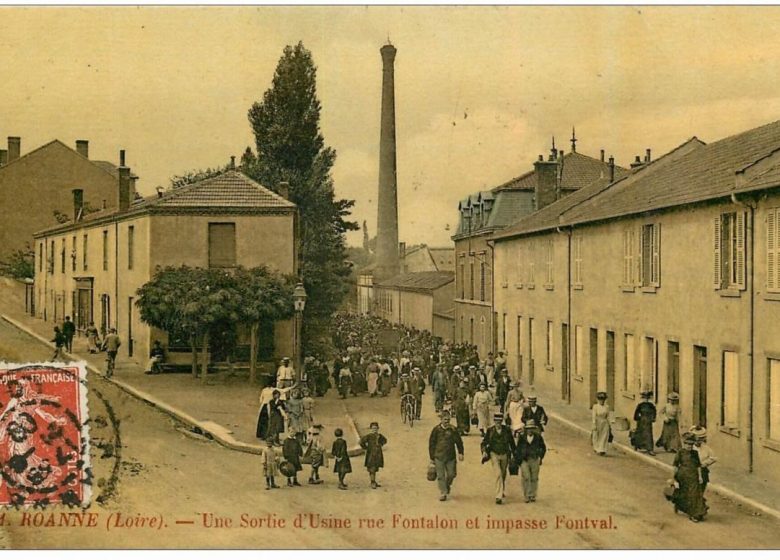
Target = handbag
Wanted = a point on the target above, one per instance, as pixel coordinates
(611, 436)
(514, 466)
(474, 420)
(307, 457)
(431, 472)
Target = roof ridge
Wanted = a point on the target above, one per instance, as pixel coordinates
(64, 145)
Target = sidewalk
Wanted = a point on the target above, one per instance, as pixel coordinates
(222, 408)
(735, 485)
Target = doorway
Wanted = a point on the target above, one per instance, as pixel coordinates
(610, 349)
(531, 365)
(594, 364)
(564, 361)
(519, 347)
(700, 385)
(673, 366)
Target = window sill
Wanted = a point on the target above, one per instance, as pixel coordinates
(549, 287)
(730, 292)
(578, 378)
(649, 289)
(519, 286)
(577, 286)
(729, 430)
(771, 444)
(628, 289)
(548, 367)
(772, 297)
(628, 395)
(530, 286)
(504, 284)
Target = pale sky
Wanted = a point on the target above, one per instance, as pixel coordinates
(479, 90)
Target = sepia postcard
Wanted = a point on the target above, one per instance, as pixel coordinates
(389, 277)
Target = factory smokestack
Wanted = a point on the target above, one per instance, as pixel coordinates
(387, 223)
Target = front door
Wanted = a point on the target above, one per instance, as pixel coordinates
(594, 364)
(610, 369)
(564, 361)
(700, 385)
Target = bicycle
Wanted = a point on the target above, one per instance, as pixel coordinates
(408, 409)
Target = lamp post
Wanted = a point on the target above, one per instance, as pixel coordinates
(299, 302)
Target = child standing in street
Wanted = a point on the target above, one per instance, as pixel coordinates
(269, 464)
(316, 451)
(342, 465)
(292, 452)
(375, 459)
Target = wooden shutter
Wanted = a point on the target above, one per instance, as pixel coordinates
(771, 251)
(655, 276)
(628, 263)
(222, 245)
(716, 248)
(740, 249)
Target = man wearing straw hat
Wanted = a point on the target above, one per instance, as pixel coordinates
(529, 453)
(497, 445)
(706, 456)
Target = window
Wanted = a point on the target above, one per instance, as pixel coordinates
(481, 281)
(629, 258)
(673, 366)
(62, 257)
(73, 254)
(579, 352)
(51, 259)
(40, 257)
(462, 279)
(774, 400)
(650, 261)
(773, 250)
(629, 365)
(576, 249)
(105, 249)
(222, 245)
(130, 247)
(650, 369)
(729, 251)
(730, 390)
(550, 338)
(503, 331)
(530, 280)
(519, 267)
(84, 252)
(549, 253)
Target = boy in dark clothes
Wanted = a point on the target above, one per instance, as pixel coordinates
(292, 453)
(375, 459)
(342, 465)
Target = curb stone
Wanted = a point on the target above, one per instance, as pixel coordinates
(207, 428)
(717, 488)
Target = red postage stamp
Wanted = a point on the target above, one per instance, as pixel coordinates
(44, 440)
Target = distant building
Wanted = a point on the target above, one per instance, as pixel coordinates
(418, 299)
(40, 183)
(486, 212)
(91, 267)
(666, 280)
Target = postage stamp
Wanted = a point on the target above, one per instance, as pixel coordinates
(44, 439)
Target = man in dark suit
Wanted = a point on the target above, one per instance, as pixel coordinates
(69, 331)
(497, 446)
(444, 442)
(529, 454)
(536, 413)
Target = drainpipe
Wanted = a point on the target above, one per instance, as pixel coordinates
(116, 276)
(751, 328)
(493, 322)
(568, 311)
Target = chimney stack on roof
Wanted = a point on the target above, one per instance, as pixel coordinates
(611, 169)
(602, 154)
(637, 163)
(121, 158)
(232, 162)
(573, 141)
(78, 204)
(648, 159)
(14, 148)
(546, 189)
(3, 157)
(124, 189)
(284, 190)
(82, 147)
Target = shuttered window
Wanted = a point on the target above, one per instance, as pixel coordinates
(222, 245)
(729, 251)
(774, 400)
(530, 280)
(629, 255)
(650, 258)
(577, 257)
(773, 250)
(730, 390)
(549, 262)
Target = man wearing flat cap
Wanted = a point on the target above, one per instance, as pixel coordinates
(535, 412)
(443, 444)
(529, 453)
(497, 446)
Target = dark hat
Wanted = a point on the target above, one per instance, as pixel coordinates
(373, 424)
(689, 438)
(601, 395)
(339, 432)
(498, 416)
(645, 394)
(445, 414)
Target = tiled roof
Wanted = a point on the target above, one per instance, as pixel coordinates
(558, 213)
(106, 166)
(419, 281)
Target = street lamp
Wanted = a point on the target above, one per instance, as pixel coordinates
(299, 302)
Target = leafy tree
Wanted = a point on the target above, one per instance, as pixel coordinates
(196, 175)
(290, 148)
(19, 264)
(265, 295)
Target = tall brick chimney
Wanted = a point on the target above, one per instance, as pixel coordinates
(82, 147)
(388, 263)
(546, 190)
(3, 157)
(14, 148)
(124, 189)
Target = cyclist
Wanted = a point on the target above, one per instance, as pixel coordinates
(111, 345)
(407, 387)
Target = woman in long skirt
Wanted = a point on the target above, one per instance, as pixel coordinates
(600, 427)
(481, 407)
(294, 408)
(515, 412)
(689, 497)
(670, 435)
(644, 416)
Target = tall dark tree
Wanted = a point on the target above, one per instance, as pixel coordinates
(290, 148)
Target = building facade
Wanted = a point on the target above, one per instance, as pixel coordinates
(422, 300)
(37, 186)
(664, 280)
(91, 268)
(487, 212)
